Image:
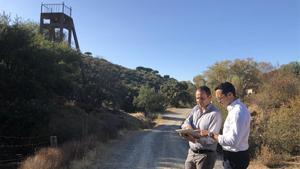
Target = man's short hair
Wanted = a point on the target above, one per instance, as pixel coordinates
(205, 89)
(226, 88)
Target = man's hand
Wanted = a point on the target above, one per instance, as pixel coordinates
(187, 127)
(189, 137)
(203, 133)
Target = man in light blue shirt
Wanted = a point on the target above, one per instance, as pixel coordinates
(236, 129)
(204, 116)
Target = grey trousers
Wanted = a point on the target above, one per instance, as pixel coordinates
(200, 161)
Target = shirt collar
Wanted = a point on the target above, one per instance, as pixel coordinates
(207, 109)
(232, 104)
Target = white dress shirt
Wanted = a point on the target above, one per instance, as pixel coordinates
(236, 128)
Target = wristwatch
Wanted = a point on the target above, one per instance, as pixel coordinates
(211, 134)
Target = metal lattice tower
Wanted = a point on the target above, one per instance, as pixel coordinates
(54, 19)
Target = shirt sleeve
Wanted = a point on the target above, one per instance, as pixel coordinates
(236, 122)
(189, 120)
(216, 123)
(214, 126)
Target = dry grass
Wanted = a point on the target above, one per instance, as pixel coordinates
(256, 165)
(58, 158)
(183, 111)
(46, 158)
(140, 116)
(80, 154)
(76, 149)
(293, 162)
(146, 121)
(269, 158)
(84, 162)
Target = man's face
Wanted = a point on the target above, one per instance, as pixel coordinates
(223, 99)
(202, 99)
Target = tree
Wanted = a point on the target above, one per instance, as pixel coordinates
(245, 75)
(242, 73)
(218, 73)
(265, 67)
(199, 80)
(149, 101)
(35, 76)
(293, 67)
(178, 94)
(140, 68)
(278, 88)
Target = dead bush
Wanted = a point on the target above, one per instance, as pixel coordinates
(46, 158)
(269, 158)
(57, 158)
(77, 149)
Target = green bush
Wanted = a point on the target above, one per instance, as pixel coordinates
(150, 101)
(282, 132)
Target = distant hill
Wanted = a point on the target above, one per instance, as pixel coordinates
(40, 78)
(48, 89)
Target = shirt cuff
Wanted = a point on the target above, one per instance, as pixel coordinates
(220, 138)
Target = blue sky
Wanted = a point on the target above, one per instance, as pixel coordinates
(180, 38)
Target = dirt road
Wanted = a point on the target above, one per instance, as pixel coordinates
(157, 148)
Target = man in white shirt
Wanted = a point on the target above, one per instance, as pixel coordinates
(236, 129)
(204, 116)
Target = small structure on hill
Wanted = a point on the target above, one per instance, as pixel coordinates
(55, 20)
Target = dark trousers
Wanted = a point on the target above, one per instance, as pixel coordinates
(236, 160)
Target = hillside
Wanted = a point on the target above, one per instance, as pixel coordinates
(48, 89)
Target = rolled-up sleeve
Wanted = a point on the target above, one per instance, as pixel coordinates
(189, 120)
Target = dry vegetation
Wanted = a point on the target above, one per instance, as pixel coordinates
(275, 139)
(79, 154)
(59, 157)
(46, 158)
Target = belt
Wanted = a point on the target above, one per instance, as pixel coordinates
(202, 151)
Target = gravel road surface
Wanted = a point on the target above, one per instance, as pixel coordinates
(157, 148)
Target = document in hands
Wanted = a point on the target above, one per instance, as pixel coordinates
(191, 132)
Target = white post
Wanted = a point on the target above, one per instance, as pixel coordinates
(53, 141)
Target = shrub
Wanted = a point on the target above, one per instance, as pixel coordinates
(150, 101)
(277, 90)
(46, 158)
(57, 158)
(269, 158)
(282, 132)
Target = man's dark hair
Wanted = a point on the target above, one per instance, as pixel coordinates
(226, 88)
(205, 89)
